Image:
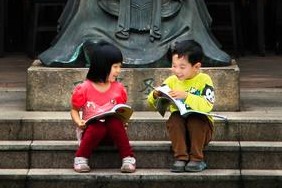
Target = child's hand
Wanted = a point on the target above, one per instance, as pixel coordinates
(156, 94)
(81, 124)
(178, 94)
(125, 126)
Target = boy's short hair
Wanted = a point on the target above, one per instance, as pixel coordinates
(189, 48)
(101, 56)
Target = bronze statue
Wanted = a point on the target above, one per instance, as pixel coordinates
(144, 30)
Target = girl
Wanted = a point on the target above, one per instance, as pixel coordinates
(100, 90)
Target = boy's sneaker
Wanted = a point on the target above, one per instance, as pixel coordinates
(195, 166)
(178, 166)
(128, 165)
(81, 164)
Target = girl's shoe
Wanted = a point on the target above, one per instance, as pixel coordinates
(81, 164)
(128, 165)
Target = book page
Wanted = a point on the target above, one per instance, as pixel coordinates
(164, 89)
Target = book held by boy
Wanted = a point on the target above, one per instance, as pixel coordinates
(165, 100)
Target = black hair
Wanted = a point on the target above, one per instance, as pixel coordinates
(101, 56)
(188, 48)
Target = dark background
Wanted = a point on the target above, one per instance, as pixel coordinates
(16, 22)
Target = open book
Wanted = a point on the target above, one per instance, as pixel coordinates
(122, 111)
(165, 100)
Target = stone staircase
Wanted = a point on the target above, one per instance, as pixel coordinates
(37, 151)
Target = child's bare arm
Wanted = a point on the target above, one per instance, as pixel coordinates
(76, 118)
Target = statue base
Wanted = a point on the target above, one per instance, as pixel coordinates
(49, 89)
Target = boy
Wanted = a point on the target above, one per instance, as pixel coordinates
(188, 135)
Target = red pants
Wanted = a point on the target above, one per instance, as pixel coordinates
(189, 136)
(110, 130)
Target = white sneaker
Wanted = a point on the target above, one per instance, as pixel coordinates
(128, 165)
(81, 164)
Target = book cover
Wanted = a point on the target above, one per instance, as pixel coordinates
(121, 111)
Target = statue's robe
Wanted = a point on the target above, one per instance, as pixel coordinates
(143, 30)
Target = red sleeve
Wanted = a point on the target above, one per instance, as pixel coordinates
(78, 98)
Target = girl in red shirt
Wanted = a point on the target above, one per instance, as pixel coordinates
(99, 91)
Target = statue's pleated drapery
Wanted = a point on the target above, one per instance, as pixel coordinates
(142, 29)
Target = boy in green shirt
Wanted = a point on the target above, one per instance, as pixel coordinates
(188, 135)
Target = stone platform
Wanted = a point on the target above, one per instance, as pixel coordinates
(49, 89)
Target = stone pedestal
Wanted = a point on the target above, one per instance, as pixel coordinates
(49, 89)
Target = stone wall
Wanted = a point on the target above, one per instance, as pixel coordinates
(49, 89)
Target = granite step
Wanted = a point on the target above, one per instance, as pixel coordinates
(149, 154)
(244, 126)
(156, 178)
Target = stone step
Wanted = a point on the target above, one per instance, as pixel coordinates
(157, 178)
(149, 154)
(244, 126)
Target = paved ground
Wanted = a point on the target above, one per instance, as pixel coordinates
(260, 82)
(260, 72)
(13, 71)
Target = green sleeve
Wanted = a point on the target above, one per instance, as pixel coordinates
(198, 103)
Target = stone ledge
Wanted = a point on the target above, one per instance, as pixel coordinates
(49, 89)
(110, 178)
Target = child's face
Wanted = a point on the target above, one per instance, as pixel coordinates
(183, 69)
(115, 71)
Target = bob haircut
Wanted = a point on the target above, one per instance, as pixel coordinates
(101, 56)
(189, 49)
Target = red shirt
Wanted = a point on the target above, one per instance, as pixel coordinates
(91, 101)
